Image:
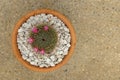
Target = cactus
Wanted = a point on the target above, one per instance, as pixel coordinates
(45, 37)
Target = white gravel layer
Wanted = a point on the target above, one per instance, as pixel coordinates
(61, 49)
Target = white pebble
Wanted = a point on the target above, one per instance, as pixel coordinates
(42, 65)
(24, 57)
(68, 45)
(59, 60)
(36, 60)
(58, 24)
(51, 22)
(53, 58)
(52, 64)
(30, 54)
(20, 34)
(42, 14)
(48, 60)
(66, 49)
(49, 15)
(59, 56)
(60, 52)
(66, 29)
(33, 63)
(20, 30)
(31, 58)
(64, 41)
(65, 53)
(28, 59)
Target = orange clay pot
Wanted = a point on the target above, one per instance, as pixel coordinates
(17, 52)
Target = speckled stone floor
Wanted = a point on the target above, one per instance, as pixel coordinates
(97, 26)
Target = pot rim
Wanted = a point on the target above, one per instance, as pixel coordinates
(23, 19)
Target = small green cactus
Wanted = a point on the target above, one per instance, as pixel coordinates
(45, 37)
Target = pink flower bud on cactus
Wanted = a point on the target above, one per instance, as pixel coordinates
(46, 28)
(30, 40)
(42, 51)
(35, 30)
(36, 49)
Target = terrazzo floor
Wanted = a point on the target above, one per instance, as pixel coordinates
(97, 27)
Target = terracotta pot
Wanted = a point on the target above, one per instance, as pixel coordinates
(17, 52)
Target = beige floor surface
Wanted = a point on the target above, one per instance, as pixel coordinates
(97, 26)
